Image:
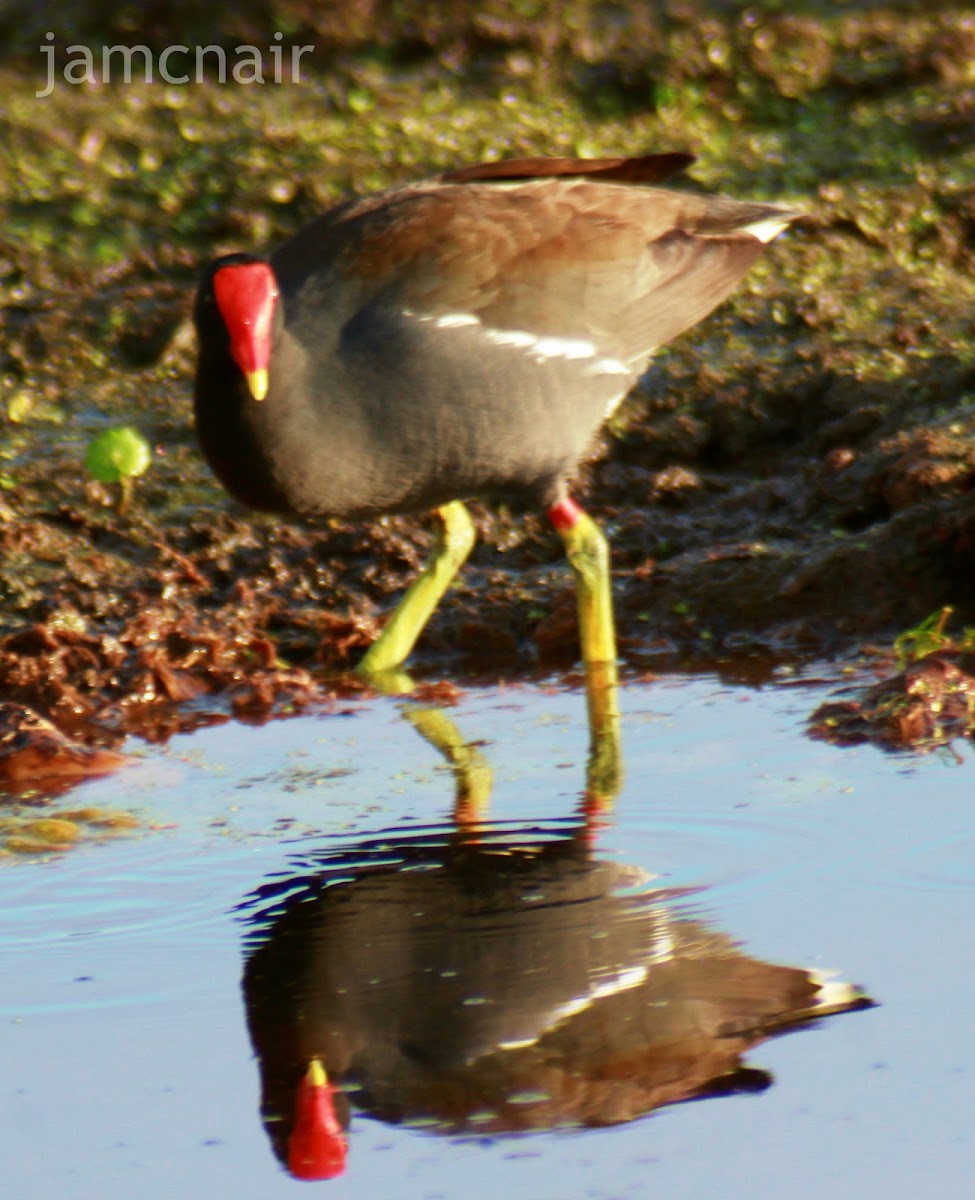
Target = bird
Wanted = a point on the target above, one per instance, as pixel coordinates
(461, 337)
(501, 981)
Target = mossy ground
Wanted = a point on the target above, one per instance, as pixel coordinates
(797, 472)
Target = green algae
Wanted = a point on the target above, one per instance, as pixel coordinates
(24, 833)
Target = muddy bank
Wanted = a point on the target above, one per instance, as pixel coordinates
(796, 474)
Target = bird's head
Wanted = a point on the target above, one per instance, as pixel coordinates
(245, 293)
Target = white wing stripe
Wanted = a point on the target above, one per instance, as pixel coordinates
(540, 347)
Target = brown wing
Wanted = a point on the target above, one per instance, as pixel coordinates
(625, 267)
(648, 168)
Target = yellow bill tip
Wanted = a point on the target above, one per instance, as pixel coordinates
(316, 1075)
(257, 382)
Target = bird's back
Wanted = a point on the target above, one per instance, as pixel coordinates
(468, 335)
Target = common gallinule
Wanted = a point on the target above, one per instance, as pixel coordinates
(460, 337)
(501, 982)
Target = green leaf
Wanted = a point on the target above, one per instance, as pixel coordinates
(117, 454)
(924, 638)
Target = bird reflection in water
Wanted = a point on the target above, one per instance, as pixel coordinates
(489, 979)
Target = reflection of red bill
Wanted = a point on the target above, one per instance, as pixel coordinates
(317, 1147)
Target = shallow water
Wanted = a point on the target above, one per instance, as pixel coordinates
(127, 1067)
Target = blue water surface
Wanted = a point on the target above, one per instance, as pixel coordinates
(126, 1065)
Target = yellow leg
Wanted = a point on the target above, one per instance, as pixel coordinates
(588, 554)
(396, 642)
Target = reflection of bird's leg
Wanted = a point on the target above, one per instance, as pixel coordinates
(473, 777)
(472, 774)
(588, 553)
(454, 540)
(604, 771)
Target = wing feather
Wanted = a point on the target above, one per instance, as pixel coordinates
(624, 267)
